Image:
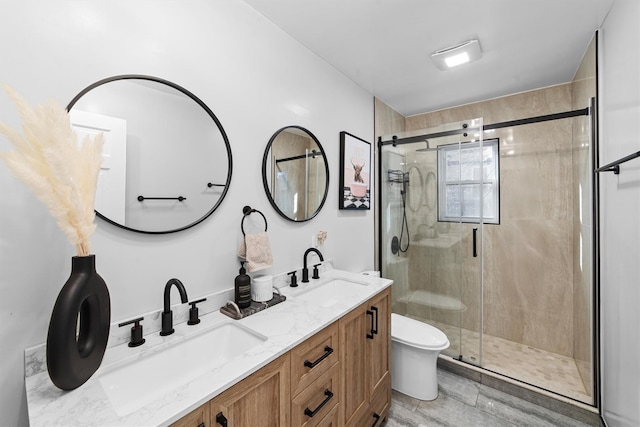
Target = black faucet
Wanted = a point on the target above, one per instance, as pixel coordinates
(167, 314)
(305, 269)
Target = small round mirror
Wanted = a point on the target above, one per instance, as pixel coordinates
(166, 159)
(295, 173)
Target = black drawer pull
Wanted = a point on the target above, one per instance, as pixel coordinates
(377, 417)
(220, 419)
(370, 335)
(309, 413)
(327, 351)
(202, 425)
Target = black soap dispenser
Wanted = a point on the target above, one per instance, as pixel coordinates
(243, 288)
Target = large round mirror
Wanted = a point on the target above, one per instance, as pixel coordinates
(166, 160)
(295, 173)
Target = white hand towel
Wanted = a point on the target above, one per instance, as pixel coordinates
(256, 250)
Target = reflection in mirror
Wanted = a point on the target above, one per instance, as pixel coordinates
(167, 160)
(295, 173)
(431, 190)
(415, 188)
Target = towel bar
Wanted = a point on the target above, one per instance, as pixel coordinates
(179, 198)
(615, 166)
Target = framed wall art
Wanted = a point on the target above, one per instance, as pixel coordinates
(355, 172)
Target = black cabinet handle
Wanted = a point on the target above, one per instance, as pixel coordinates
(475, 242)
(374, 322)
(377, 418)
(375, 309)
(309, 413)
(202, 425)
(327, 351)
(220, 419)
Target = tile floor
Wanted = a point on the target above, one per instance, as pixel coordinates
(462, 402)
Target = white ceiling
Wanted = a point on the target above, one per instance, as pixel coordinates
(385, 45)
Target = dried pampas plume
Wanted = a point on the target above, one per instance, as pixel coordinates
(62, 173)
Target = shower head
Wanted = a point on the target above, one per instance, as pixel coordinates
(426, 148)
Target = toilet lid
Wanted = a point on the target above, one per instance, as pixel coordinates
(417, 334)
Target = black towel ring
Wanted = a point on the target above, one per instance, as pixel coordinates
(247, 210)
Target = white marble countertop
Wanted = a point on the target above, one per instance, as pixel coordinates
(284, 325)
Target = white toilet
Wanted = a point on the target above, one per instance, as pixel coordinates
(415, 347)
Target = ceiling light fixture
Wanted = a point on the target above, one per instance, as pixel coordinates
(453, 56)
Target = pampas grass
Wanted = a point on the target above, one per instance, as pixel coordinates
(62, 173)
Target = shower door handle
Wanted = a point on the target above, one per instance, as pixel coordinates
(475, 242)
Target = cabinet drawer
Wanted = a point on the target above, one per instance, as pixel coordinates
(313, 357)
(314, 403)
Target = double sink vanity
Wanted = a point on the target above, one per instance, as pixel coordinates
(319, 358)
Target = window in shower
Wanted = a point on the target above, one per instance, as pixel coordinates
(462, 181)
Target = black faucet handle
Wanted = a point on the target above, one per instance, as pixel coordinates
(316, 274)
(193, 303)
(294, 279)
(136, 332)
(193, 312)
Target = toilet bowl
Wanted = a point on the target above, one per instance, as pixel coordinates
(415, 347)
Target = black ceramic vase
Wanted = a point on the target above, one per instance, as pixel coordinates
(79, 327)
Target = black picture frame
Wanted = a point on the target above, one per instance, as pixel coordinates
(356, 168)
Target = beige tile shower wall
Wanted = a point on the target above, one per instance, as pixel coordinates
(528, 283)
(387, 121)
(583, 88)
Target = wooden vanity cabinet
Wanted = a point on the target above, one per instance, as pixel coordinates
(365, 347)
(260, 400)
(340, 375)
(379, 351)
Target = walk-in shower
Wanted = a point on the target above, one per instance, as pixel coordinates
(486, 230)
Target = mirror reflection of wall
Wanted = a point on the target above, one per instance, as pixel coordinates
(295, 173)
(169, 145)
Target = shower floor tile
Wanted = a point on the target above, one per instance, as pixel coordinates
(540, 368)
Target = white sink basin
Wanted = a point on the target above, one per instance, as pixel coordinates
(130, 386)
(334, 292)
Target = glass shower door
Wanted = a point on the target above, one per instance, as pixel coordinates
(431, 230)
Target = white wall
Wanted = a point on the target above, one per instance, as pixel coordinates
(620, 215)
(252, 75)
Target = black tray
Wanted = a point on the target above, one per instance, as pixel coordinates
(231, 311)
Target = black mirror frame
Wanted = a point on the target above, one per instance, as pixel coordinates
(265, 159)
(203, 106)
